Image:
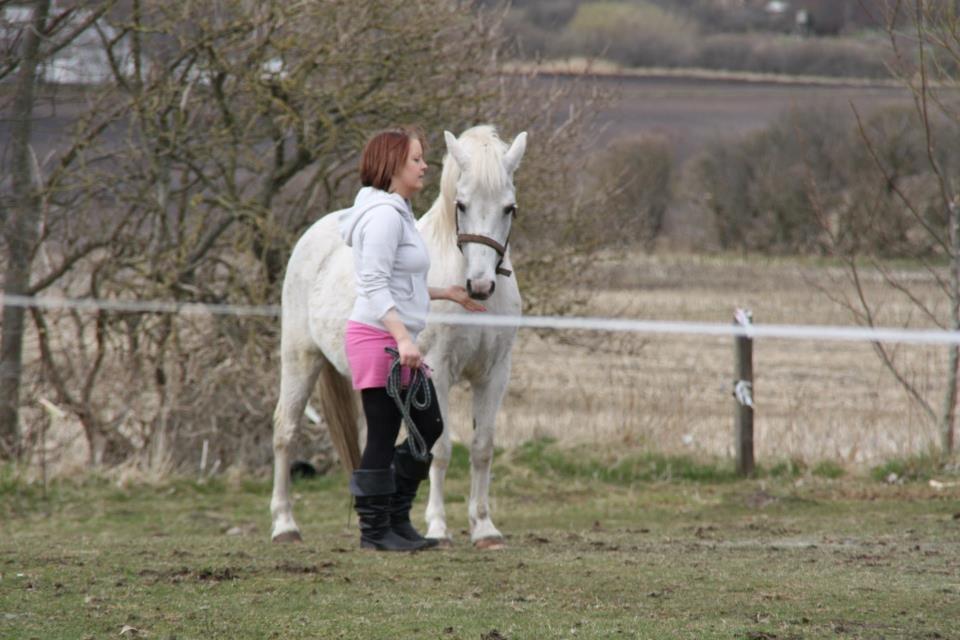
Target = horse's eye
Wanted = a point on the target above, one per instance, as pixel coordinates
(510, 210)
(461, 208)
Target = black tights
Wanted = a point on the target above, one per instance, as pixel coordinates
(383, 425)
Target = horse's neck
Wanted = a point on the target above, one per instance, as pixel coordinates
(438, 225)
(439, 231)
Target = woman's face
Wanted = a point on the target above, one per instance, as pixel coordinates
(409, 179)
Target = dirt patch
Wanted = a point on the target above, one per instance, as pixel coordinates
(186, 574)
(304, 569)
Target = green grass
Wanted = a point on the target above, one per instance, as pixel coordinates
(829, 469)
(542, 457)
(921, 468)
(545, 457)
(590, 555)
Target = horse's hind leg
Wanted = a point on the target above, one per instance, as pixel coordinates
(298, 374)
(487, 396)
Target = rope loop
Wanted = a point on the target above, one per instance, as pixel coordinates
(418, 386)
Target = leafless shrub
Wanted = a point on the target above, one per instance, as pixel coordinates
(637, 176)
(759, 188)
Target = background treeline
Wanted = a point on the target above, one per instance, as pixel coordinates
(840, 37)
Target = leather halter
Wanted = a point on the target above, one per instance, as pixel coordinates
(501, 249)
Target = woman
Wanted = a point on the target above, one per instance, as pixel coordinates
(391, 263)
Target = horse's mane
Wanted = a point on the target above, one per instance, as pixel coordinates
(486, 150)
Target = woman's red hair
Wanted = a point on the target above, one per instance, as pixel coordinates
(384, 155)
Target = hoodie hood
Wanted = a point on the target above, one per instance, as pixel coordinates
(369, 198)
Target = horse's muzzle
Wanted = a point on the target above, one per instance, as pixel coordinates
(480, 289)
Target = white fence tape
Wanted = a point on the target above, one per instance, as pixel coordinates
(784, 331)
(140, 306)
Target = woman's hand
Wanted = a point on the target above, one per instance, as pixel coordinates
(406, 347)
(409, 354)
(459, 295)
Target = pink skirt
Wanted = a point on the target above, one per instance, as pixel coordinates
(368, 360)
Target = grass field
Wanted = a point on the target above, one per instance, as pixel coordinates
(623, 555)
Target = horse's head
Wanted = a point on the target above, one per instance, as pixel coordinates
(480, 190)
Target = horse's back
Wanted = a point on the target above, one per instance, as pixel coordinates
(312, 249)
(318, 290)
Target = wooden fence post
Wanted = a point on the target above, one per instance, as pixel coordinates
(743, 394)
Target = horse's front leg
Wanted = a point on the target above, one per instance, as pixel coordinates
(442, 450)
(487, 397)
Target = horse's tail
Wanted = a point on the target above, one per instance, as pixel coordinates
(339, 405)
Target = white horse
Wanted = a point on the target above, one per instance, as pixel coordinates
(466, 232)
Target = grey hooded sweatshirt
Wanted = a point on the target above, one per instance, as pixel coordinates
(390, 259)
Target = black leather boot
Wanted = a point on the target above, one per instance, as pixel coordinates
(410, 472)
(373, 491)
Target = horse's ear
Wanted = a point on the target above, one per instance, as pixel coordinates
(511, 159)
(456, 150)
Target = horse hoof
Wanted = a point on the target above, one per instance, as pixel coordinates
(287, 536)
(443, 543)
(490, 544)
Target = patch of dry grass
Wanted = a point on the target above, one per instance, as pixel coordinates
(673, 394)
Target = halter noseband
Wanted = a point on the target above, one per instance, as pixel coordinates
(464, 238)
(501, 249)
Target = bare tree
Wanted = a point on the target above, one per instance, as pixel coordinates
(925, 38)
(32, 42)
(19, 232)
(224, 130)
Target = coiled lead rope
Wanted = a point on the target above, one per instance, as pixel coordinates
(418, 384)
